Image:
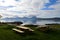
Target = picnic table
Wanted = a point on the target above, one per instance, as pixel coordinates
(25, 28)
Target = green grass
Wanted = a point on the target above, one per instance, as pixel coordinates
(6, 33)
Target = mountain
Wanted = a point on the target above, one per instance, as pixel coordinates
(16, 18)
(49, 18)
(54, 19)
(32, 18)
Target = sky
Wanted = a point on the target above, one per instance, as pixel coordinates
(26, 8)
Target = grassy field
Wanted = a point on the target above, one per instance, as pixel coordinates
(6, 33)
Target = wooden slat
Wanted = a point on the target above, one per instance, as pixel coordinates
(25, 28)
(17, 30)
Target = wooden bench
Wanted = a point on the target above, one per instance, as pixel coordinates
(25, 28)
(17, 30)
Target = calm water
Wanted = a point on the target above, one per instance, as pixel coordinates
(41, 22)
(38, 22)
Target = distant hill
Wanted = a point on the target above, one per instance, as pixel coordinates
(16, 18)
(48, 18)
(55, 19)
(33, 18)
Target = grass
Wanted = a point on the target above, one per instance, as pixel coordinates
(6, 33)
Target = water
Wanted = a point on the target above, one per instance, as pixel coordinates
(36, 22)
(42, 22)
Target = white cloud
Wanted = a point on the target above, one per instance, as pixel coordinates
(29, 7)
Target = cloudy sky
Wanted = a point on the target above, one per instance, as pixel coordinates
(22, 8)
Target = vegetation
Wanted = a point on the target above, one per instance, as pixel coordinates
(6, 33)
